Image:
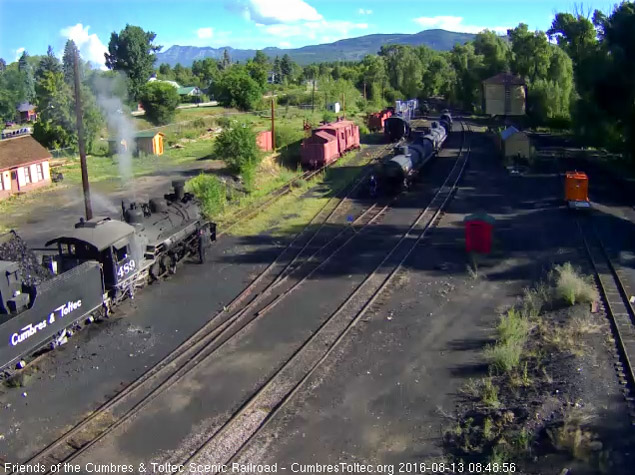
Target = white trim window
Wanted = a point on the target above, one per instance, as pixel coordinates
(40, 173)
(27, 176)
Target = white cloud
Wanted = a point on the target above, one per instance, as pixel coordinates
(281, 11)
(284, 44)
(18, 53)
(204, 33)
(90, 46)
(361, 11)
(455, 23)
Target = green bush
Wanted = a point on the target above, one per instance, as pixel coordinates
(159, 99)
(513, 328)
(210, 191)
(224, 122)
(328, 116)
(287, 134)
(236, 146)
(504, 356)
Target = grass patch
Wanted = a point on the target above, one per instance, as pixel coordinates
(572, 287)
(572, 437)
(210, 191)
(512, 330)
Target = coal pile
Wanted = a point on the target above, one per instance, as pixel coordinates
(13, 248)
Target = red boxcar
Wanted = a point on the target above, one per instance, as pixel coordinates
(376, 120)
(329, 142)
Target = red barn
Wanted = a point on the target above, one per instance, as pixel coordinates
(329, 142)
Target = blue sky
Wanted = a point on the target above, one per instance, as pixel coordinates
(34, 24)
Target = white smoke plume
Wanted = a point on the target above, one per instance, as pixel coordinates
(120, 127)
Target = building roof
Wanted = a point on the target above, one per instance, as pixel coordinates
(510, 131)
(99, 232)
(21, 150)
(148, 134)
(187, 90)
(26, 107)
(505, 78)
(337, 125)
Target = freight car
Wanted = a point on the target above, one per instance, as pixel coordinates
(98, 264)
(329, 142)
(397, 172)
(376, 121)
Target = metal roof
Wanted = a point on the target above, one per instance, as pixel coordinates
(186, 90)
(100, 232)
(508, 132)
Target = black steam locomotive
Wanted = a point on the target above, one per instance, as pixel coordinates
(97, 264)
(397, 172)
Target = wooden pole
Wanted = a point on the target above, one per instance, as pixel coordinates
(313, 96)
(273, 125)
(80, 139)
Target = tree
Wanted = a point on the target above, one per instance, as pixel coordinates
(3, 65)
(261, 58)
(495, 51)
(576, 35)
(12, 92)
(48, 63)
(286, 68)
(236, 146)
(132, 51)
(27, 74)
(206, 70)
(374, 77)
(277, 71)
(68, 60)
(165, 72)
(467, 86)
(183, 75)
(57, 125)
(159, 99)
(235, 88)
(531, 52)
(257, 72)
(226, 61)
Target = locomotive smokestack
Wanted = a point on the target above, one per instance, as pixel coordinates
(179, 189)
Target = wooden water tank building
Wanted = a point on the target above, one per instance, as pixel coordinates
(147, 142)
(504, 95)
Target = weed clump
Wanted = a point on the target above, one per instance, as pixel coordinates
(512, 331)
(571, 286)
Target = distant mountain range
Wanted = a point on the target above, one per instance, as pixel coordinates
(351, 49)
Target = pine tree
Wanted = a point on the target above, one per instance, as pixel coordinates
(226, 61)
(3, 65)
(68, 60)
(286, 67)
(27, 74)
(277, 71)
(48, 63)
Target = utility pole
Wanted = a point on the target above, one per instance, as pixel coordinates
(273, 126)
(80, 139)
(343, 105)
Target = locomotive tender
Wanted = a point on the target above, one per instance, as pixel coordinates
(98, 263)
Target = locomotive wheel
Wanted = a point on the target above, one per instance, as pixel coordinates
(155, 271)
(172, 265)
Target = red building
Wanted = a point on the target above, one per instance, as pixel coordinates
(24, 165)
(27, 112)
(264, 141)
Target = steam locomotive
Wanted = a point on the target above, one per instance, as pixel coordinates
(98, 264)
(397, 172)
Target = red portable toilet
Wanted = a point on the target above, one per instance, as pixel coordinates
(478, 233)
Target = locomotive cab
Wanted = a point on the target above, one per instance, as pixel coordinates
(112, 243)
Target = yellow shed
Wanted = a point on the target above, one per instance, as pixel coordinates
(515, 143)
(504, 94)
(150, 142)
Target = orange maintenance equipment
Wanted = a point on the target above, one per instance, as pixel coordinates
(576, 190)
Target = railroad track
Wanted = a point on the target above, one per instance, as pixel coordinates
(616, 304)
(221, 327)
(226, 443)
(278, 193)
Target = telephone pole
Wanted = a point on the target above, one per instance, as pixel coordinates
(273, 125)
(80, 138)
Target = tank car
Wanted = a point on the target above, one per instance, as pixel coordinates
(98, 263)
